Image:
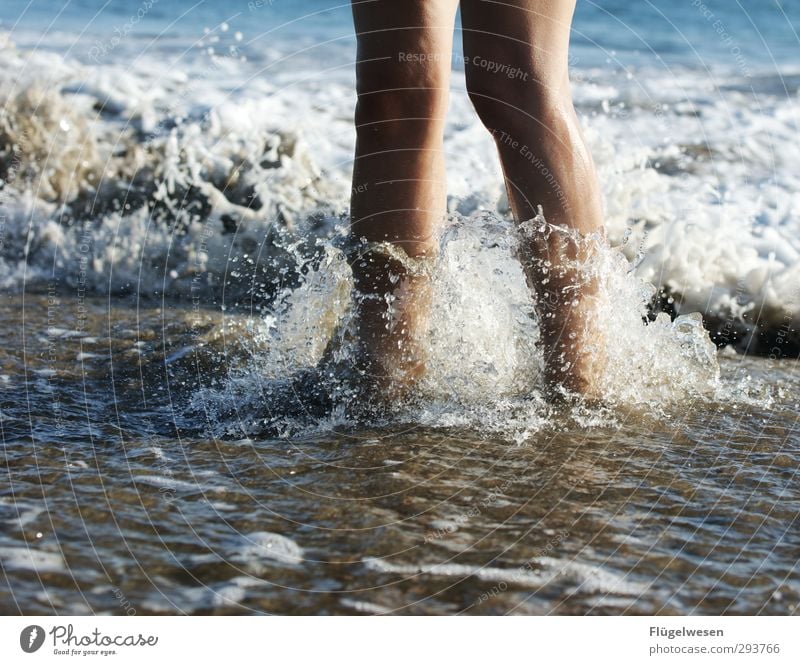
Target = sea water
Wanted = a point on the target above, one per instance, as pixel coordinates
(176, 178)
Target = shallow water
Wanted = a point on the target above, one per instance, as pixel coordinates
(108, 507)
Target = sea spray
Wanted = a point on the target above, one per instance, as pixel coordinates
(482, 344)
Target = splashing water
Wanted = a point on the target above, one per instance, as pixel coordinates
(484, 363)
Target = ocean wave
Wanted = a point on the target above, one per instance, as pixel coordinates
(214, 183)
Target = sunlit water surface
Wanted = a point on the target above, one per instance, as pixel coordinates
(108, 507)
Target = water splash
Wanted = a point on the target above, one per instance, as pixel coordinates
(484, 367)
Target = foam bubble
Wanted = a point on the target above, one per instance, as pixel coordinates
(26, 558)
(535, 574)
(255, 547)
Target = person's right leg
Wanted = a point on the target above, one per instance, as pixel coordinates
(398, 196)
(518, 80)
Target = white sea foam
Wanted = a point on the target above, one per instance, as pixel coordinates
(231, 593)
(29, 558)
(536, 574)
(253, 548)
(365, 607)
(24, 513)
(176, 484)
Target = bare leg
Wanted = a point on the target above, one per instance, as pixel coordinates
(517, 77)
(398, 196)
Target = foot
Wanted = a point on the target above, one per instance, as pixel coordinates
(392, 301)
(561, 268)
